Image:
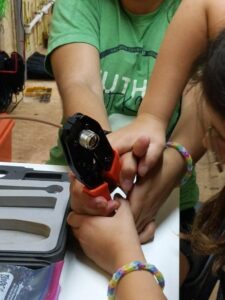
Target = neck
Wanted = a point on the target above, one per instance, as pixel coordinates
(141, 7)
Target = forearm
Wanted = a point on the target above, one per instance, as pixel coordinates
(79, 81)
(79, 98)
(100, 241)
(189, 131)
(175, 58)
(137, 284)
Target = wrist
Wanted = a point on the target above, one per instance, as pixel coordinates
(143, 281)
(186, 157)
(127, 256)
(148, 117)
(176, 162)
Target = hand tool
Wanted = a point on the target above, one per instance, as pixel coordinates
(90, 155)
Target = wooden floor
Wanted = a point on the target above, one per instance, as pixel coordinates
(31, 141)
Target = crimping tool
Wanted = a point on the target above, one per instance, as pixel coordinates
(90, 155)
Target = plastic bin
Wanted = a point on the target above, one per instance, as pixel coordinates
(6, 127)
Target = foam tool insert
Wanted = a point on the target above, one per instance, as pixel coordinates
(33, 210)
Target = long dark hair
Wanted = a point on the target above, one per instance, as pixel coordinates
(209, 71)
(208, 232)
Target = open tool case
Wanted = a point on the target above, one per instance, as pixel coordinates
(33, 209)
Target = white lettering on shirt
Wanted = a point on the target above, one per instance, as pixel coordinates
(139, 89)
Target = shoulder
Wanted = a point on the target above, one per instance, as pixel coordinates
(215, 10)
(208, 14)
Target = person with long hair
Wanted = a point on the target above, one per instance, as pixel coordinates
(208, 230)
(96, 234)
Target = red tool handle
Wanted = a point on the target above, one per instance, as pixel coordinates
(111, 176)
(101, 190)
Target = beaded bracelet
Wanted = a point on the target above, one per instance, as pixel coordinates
(133, 266)
(187, 157)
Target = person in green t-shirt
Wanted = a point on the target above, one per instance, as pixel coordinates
(102, 54)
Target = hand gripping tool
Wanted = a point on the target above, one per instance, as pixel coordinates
(90, 156)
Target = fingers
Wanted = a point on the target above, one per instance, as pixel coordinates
(82, 203)
(80, 223)
(124, 207)
(140, 146)
(143, 156)
(100, 206)
(137, 198)
(151, 157)
(122, 212)
(121, 140)
(129, 162)
(148, 233)
(141, 150)
(128, 171)
(74, 219)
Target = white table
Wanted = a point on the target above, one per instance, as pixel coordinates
(83, 280)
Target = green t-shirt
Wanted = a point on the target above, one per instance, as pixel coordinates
(128, 45)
